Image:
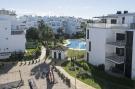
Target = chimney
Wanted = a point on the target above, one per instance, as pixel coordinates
(118, 12)
(125, 12)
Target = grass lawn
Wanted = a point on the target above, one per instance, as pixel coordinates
(30, 53)
(100, 79)
(88, 81)
(78, 53)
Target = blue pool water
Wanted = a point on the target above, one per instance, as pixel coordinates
(77, 44)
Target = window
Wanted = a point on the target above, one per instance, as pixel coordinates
(120, 37)
(120, 51)
(54, 55)
(89, 46)
(87, 34)
(103, 20)
(87, 56)
(113, 21)
(123, 20)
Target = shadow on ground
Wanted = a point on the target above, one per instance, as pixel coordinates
(49, 85)
(40, 70)
(6, 67)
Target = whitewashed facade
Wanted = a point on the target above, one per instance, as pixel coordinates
(112, 43)
(70, 25)
(12, 34)
(59, 53)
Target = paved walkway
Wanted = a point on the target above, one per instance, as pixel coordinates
(33, 71)
(79, 84)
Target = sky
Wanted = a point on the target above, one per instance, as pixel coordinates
(78, 8)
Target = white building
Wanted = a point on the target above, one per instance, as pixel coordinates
(30, 21)
(59, 53)
(12, 34)
(111, 41)
(70, 25)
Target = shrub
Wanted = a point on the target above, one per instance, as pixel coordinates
(64, 64)
(72, 68)
(85, 66)
(38, 53)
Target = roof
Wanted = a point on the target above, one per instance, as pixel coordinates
(116, 15)
(59, 47)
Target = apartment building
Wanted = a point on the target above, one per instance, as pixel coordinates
(111, 41)
(70, 25)
(12, 34)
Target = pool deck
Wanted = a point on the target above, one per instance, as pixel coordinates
(67, 42)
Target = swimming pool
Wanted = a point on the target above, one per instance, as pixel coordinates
(76, 44)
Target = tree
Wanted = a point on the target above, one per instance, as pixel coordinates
(32, 34)
(60, 31)
(45, 34)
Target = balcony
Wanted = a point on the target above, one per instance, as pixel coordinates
(115, 58)
(111, 26)
(17, 31)
(117, 43)
(5, 54)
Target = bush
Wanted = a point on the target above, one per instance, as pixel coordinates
(72, 68)
(85, 66)
(64, 64)
(38, 53)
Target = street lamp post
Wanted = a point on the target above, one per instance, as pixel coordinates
(75, 78)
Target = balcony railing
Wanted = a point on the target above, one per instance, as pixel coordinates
(111, 26)
(17, 32)
(5, 54)
(117, 43)
(115, 58)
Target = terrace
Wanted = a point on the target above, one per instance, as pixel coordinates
(115, 58)
(117, 43)
(111, 26)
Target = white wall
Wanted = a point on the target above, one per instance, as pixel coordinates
(17, 43)
(98, 41)
(9, 42)
(5, 31)
(128, 19)
(111, 37)
(63, 54)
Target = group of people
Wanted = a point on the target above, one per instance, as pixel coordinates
(50, 75)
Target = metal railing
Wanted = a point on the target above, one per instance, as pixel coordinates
(17, 32)
(112, 26)
(117, 43)
(115, 58)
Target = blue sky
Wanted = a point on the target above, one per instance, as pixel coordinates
(77, 8)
